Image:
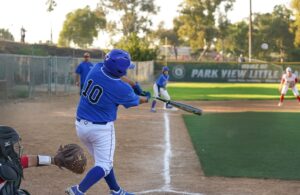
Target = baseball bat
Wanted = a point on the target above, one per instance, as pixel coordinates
(181, 106)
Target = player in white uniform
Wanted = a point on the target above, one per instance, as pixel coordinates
(288, 80)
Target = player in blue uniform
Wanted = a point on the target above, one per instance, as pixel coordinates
(82, 70)
(160, 89)
(102, 93)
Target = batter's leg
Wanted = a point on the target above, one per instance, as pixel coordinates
(93, 176)
(83, 137)
(102, 140)
(111, 181)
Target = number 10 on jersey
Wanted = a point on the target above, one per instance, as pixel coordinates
(94, 94)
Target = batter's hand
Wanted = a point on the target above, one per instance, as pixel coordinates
(137, 89)
(146, 94)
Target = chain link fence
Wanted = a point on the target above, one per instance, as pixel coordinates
(28, 76)
(23, 76)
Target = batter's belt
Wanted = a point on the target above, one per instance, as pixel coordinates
(96, 123)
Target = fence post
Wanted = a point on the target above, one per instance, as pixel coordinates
(49, 75)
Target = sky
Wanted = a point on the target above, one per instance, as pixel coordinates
(32, 15)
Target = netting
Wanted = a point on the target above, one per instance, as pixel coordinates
(26, 76)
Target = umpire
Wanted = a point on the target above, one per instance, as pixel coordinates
(82, 70)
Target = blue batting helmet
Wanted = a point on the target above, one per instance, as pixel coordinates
(165, 68)
(117, 62)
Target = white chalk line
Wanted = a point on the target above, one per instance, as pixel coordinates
(166, 171)
(167, 191)
(168, 152)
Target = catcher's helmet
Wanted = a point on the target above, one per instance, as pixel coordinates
(117, 62)
(8, 138)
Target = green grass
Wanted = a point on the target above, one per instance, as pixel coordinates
(224, 91)
(250, 144)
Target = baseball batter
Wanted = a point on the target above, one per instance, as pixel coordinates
(160, 89)
(288, 80)
(102, 93)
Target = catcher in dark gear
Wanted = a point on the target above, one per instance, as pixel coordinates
(12, 161)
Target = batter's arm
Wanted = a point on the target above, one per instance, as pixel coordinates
(144, 99)
(128, 80)
(135, 86)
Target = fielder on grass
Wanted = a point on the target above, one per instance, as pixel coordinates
(288, 80)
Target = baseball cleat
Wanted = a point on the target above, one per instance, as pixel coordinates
(73, 190)
(280, 104)
(120, 192)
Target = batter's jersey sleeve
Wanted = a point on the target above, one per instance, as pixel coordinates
(127, 97)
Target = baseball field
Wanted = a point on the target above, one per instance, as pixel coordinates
(242, 144)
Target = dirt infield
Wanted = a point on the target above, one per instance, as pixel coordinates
(154, 154)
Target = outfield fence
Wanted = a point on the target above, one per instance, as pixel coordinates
(29, 76)
(255, 72)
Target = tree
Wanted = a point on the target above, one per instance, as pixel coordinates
(295, 4)
(81, 27)
(236, 39)
(198, 23)
(273, 29)
(6, 35)
(139, 48)
(162, 33)
(134, 15)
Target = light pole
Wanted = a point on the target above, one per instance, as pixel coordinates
(166, 51)
(250, 31)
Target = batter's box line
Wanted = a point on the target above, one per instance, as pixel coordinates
(167, 191)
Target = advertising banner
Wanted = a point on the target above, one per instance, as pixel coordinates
(244, 73)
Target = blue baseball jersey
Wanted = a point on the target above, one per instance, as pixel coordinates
(83, 69)
(101, 96)
(162, 80)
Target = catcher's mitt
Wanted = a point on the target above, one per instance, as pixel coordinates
(71, 157)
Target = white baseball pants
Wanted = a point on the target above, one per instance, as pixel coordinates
(100, 142)
(164, 93)
(285, 88)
